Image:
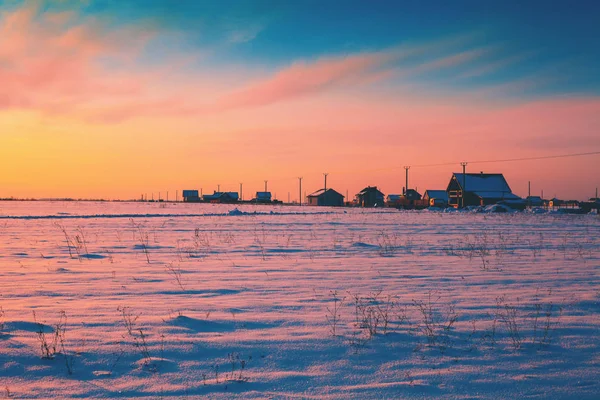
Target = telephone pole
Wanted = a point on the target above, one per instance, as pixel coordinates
(300, 191)
(325, 175)
(241, 191)
(406, 187)
(266, 185)
(462, 193)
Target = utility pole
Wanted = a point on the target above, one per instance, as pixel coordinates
(462, 193)
(167, 196)
(325, 175)
(406, 188)
(218, 188)
(176, 196)
(266, 186)
(241, 191)
(288, 197)
(300, 191)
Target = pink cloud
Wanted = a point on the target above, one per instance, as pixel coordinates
(47, 64)
(303, 78)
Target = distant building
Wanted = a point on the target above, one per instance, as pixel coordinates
(478, 190)
(393, 200)
(370, 197)
(436, 198)
(436, 194)
(412, 195)
(263, 197)
(221, 197)
(534, 201)
(326, 197)
(190, 195)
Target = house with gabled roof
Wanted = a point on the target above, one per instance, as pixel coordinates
(437, 198)
(326, 197)
(370, 197)
(435, 194)
(478, 189)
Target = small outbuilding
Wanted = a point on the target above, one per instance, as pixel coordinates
(370, 197)
(326, 197)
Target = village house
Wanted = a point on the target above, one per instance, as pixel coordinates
(392, 200)
(478, 190)
(436, 198)
(221, 197)
(326, 197)
(534, 201)
(262, 197)
(190, 196)
(370, 197)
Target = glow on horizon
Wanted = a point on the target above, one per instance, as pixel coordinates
(92, 108)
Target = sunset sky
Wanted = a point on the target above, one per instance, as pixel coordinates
(113, 99)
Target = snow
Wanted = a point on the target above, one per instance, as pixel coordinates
(483, 182)
(167, 300)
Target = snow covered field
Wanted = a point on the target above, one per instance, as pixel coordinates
(149, 300)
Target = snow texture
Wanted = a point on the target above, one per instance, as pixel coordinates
(150, 300)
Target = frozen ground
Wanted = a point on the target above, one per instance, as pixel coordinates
(188, 301)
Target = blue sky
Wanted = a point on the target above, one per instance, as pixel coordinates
(554, 40)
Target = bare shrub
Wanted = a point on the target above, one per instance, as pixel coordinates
(175, 272)
(373, 313)
(136, 334)
(508, 315)
(333, 312)
(238, 368)
(435, 322)
(142, 237)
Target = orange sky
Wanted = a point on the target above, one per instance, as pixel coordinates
(81, 116)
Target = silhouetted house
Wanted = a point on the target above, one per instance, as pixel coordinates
(262, 197)
(370, 197)
(554, 202)
(534, 201)
(435, 194)
(393, 200)
(412, 195)
(221, 197)
(478, 190)
(323, 197)
(411, 200)
(436, 198)
(190, 195)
